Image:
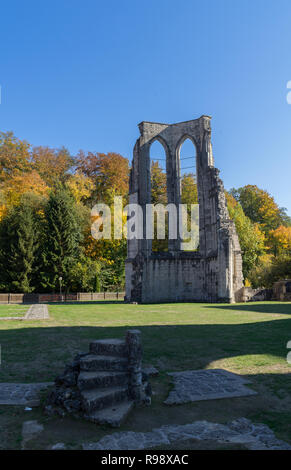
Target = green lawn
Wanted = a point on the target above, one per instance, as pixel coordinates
(13, 310)
(249, 339)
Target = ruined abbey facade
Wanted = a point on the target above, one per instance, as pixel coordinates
(214, 272)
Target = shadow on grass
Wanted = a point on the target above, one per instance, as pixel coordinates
(40, 351)
(39, 354)
(282, 309)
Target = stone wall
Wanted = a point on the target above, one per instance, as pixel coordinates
(248, 294)
(282, 290)
(213, 274)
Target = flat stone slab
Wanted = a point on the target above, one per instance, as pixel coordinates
(37, 312)
(21, 394)
(240, 431)
(210, 384)
(113, 415)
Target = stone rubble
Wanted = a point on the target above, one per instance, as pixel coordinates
(240, 431)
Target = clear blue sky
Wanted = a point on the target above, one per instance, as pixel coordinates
(84, 74)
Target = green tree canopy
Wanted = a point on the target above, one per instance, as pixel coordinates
(14, 155)
(19, 238)
(260, 207)
(250, 236)
(189, 194)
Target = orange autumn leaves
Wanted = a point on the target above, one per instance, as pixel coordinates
(90, 177)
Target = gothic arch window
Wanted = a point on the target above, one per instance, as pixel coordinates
(158, 170)
(186, 159)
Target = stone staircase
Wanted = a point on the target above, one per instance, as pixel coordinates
(104, 382)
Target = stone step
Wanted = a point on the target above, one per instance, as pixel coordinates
(111, 415)
(105, 363)
(109, 347)
(88, 380)
(99, 398)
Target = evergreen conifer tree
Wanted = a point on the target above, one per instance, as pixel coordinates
(19, 243)
(61, 240)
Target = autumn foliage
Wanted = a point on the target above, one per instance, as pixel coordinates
(265, 238)
(46, 197)
(56, 192)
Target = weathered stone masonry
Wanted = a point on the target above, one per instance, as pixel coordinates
(212, 274)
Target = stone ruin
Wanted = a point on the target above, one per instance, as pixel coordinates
(214, 272)
(282, 290)
(104, 384)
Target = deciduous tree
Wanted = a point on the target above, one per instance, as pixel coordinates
(14, 155)
(109, 173)
(259, 207)
(53, 165)
(280, 240)
(250, 236)
(15, 186)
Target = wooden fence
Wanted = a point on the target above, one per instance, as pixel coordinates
(43, 298)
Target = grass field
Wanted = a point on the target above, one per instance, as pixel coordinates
(13, 310)
(249, 339)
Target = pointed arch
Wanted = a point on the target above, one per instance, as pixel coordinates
(186, 154)
(158, 153)
(159, 157)
(159, 139)
(181, 141)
